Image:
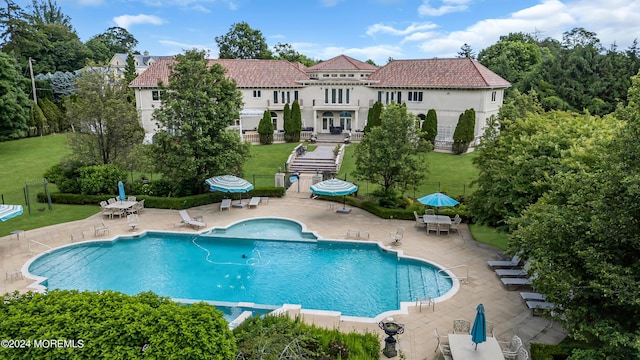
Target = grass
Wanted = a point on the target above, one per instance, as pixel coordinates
(265, 161)
(447, 173)
(489, 236)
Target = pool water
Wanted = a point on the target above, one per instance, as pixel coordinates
(356, 279)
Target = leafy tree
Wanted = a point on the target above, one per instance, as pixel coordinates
(55, 117)
(265, 129)
(130, 69)
(115, 40)
(286, 52)
(512, 57)
(430, 127)
(515, 166)
(464, 133)
(371, 62)
(388, 154)
(373, 116)
(15, 106)
(105, 124)
(193, 143)
(466, 52)
(112, 325)
(518, 106)
(296, 121)
(582, 239)
(243, 42)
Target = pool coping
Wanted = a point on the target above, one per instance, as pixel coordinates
(37, 286)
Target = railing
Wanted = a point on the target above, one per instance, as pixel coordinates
(462, 279)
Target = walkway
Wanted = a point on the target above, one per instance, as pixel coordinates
(504, 308)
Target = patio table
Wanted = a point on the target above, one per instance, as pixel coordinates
(437, 219)
(462, 348)
(121, 204)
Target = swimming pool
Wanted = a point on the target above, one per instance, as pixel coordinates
(357, 279)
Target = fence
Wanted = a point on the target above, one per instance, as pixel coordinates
(28, 196)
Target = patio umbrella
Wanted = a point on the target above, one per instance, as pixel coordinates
(121, 194)
(9, 211)
(438, 200)
(479, 329)
(334, 187)
(229, 184)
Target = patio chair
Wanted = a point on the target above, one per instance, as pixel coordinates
(105, 210)
(522, 354)
(445, 352)
(490, 329)
(188, 220)
(429, 212)
(461, 326)
(225, 204)
(254, 201)
(440, 339)
(510, 349)
(443, 228)
(419, 220)
(455, 222)
(112, 200)
(397, 236)
(99, 228)
(514, 262)
(132, 221)
(432, 227)
(131, 198)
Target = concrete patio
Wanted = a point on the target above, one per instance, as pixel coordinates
(504, 308)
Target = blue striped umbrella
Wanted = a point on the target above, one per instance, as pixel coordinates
(479, 329)
(334, 187)
(9, 211)
(229, 184)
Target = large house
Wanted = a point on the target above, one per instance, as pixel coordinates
(118, 62)
(337, 93)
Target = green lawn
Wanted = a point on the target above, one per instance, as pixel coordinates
(265, 161)
(489, 235)
(446, 173)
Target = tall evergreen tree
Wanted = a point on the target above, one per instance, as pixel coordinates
(15, 105)
(286, 123)
(265, 129)
(373, 116)
(464, 132)
(296, 121)
(430, 127)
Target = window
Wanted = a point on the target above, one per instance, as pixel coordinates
(380, 96)
(327, 120)
(333, 96)
(347, 96)
(295, 95)
(326, 96)
(343, 75)
(399, 97)
(350, 75)
(345, 120)
(288, 96)
(325, 75)
(274, 118)
(387, 98)
(257, 93)
(275, 96)
(283, 98)
(415, 96)
(493, 96)
(155, 95)
(392, 93)
(339, 96)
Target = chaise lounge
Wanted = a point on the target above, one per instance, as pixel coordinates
(188, 220)
(514, 262)
(254, 201)
(225, 204)
(513, 283)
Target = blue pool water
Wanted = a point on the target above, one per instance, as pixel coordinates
(357, 279)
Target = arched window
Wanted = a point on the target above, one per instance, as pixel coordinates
(274, 118)
(327, 120)
(345, 120)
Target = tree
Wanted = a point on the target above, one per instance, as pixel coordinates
(466, 52)
(113, 325)
(518, 106)
(106, 125)
(115, 40)
(371, 62)
(193, 143)
(242, 42)
(582, 238)
(286, 123)
(296, 121)
(373, 116)
(286, 52)
(464, 133)
(388, 154)
(516, 165)
(265, 129)
(63, 83)
(15, 105)
(430, 127)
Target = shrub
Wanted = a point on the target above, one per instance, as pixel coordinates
(265, 129)
(101, 179)
(464, 132)
(65, 175)
(430, 127)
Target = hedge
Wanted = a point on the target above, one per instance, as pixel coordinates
(162, 202)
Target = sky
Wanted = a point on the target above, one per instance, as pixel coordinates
(363, 29)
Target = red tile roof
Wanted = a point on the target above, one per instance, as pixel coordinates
(437, 73)
(342, 63)
(246, 73)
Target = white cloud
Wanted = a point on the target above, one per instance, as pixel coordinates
(447, 6)
(177, 47)
(386, 29)
(90, 2)
(126, 21)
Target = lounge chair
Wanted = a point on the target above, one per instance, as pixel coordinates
(397, 236)
(511, 272)
(538, 306)
(532, 296)
(254, 201)
(514, 262)
(188, 220)
(513, 283)
(225, 204)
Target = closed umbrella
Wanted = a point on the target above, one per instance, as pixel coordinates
(334, 187)
(121, 194)
(229, 184)
(9, 211)
(479, 329)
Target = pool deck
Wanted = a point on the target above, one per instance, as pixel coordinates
(504, 308)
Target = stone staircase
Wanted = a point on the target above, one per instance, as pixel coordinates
(317, 161)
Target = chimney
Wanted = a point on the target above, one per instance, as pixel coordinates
(146, 53)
